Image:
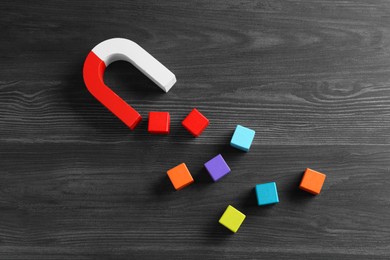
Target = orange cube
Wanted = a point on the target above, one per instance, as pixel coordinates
(180, 176)
(312, 181)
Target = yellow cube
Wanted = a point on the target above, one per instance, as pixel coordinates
(232, 218)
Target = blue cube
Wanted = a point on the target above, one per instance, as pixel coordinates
(242, 138)
(267, 194)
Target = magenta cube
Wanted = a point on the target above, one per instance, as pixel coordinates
(217, 167)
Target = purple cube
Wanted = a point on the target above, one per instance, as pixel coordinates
(217, 167)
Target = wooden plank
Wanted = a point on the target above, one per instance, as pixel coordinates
(311, 77)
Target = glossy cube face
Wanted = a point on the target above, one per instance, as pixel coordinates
(242, 138)
(180, 176)
(217, 167)
(159, 123)
(267, 194)
(312, 181)
(195, 122)
(232, 219)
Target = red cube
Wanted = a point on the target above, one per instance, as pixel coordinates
(159, 122)
(195, 122)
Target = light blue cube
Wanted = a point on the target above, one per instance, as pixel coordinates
(242, 138)
(267, 194)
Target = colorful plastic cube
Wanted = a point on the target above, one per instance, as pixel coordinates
(195, 122)
(232, 219)
(159, 122)
(312, 181)
(267, 194)
(242, 138)
(180, 176)
(217, 167)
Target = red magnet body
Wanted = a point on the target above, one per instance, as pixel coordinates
(116, 49)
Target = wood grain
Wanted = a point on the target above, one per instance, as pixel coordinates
(311, 77)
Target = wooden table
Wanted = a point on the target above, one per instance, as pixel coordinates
(311, 77)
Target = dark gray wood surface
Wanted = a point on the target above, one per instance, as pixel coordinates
(311, 77)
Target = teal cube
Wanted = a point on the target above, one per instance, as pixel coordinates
(242, 138)
(267, 194)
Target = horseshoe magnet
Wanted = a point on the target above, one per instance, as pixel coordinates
(116, 49)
